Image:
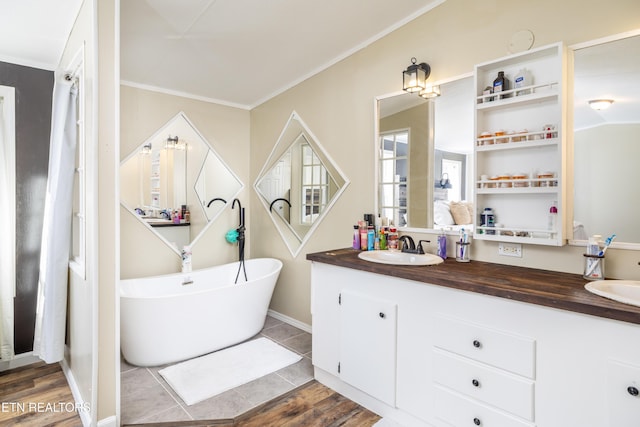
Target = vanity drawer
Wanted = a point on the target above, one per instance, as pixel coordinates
(460, 411)
(511, 393)
(503, 350)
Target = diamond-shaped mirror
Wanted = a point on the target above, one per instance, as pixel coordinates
(174, 171)
(298, 184)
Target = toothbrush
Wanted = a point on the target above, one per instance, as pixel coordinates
(607, 242)
(595, 263)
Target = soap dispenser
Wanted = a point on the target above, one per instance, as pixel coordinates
(442, 245)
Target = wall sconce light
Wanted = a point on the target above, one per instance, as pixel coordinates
(430, 92)
(146, 149)
(444, 181)
(171, 143)
(414, 78)
(600, 104)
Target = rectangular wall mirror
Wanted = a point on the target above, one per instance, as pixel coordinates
(606, 149)
(424, 155)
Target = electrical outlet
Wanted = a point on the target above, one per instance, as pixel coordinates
(510, 249)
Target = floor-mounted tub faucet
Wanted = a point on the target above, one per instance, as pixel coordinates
(240, 231)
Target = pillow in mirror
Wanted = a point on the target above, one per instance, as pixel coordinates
(442, 214)
(462, 212)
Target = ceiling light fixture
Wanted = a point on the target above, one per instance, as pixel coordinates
(600, 104)
(414, 78)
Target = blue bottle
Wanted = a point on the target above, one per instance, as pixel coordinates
(371, 237)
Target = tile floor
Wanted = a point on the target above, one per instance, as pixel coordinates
(147, 398)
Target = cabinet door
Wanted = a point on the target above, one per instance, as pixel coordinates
(368, 344)
(623, 383)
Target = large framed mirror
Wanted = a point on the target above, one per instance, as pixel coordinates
(606, 149)
(176, 173)
(298, 184)
(425, 157)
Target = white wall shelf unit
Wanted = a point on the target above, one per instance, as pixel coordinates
(520, 150)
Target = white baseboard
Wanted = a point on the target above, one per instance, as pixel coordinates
(290, 320)
(85, 416)
(108, 422)
(18, 361)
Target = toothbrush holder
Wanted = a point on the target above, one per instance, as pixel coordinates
(593, 267)
(462, 251)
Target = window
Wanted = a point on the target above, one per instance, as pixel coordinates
(453, 169)
(315, 185)
(394, 164)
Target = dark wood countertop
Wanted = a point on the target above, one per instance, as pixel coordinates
(563, 291)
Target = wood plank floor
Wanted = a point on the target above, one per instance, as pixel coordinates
(37, 395)
(310, 405)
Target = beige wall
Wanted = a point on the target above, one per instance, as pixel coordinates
(227, 130)
(337, 105)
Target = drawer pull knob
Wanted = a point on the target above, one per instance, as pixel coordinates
(382, 315)
(476, 421)
(477, 344)
(475, 383)
(633, 391)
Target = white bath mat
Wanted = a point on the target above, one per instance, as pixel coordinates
(198, 379)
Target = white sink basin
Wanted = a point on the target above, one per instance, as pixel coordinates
(399, 258)
(626, 291)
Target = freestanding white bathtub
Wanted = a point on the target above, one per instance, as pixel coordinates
(165, 319)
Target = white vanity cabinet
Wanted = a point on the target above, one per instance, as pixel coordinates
(491, 368)
(354, 333)
(520, 148)
(459, 358)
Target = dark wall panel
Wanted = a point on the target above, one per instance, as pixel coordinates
(34, 89)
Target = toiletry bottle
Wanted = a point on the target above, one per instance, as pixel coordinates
(522, 79)
(593, 246)
(356, 237)
(553, 217)
(371, 237)
(392, 239)
(363, 235)
(500, 84)
(383, 238)
(488, 219)
(187, 216)
(442, 246)
(186, 259)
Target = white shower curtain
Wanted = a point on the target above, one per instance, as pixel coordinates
(51, 310)
(7, 225)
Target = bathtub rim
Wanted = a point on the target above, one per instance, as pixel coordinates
(169, 276)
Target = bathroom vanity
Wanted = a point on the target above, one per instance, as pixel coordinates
(466, 344)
